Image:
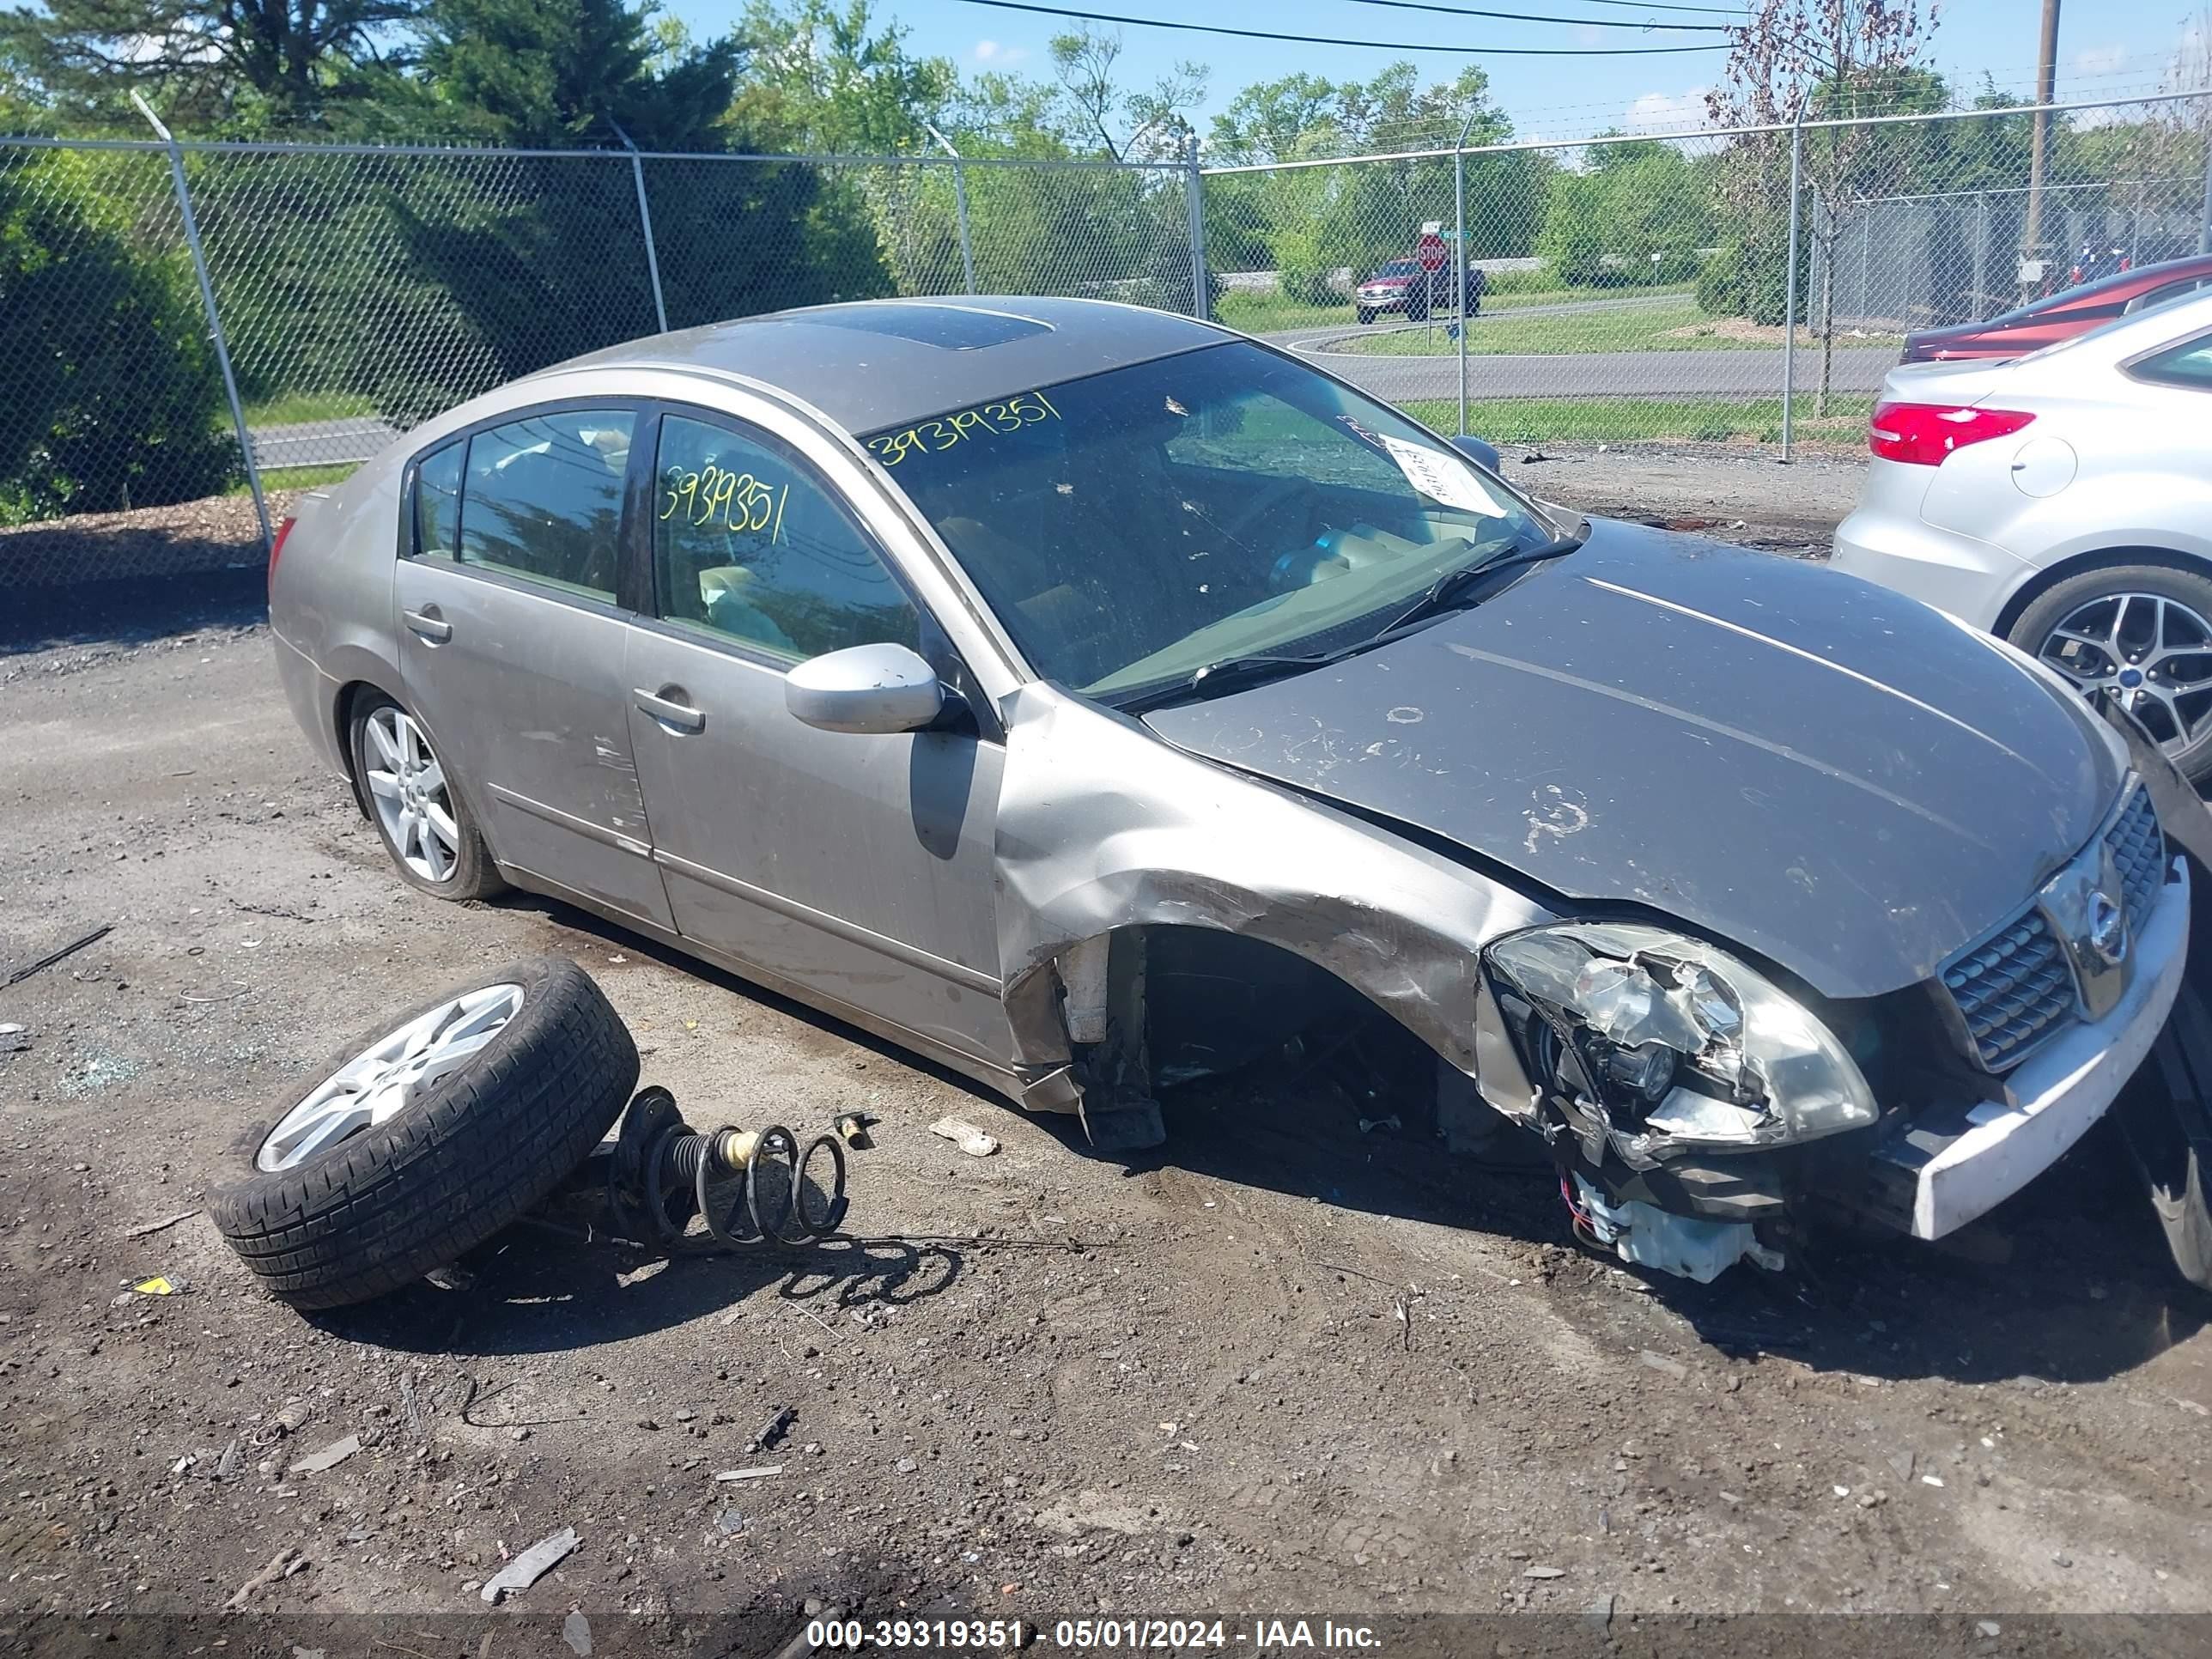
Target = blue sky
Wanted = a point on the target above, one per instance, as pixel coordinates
(2111, 49)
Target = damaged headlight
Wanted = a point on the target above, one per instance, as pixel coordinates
(1680, 1045)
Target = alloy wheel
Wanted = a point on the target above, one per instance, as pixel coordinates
(2153, 653)
(380, 1080)
(408, 788)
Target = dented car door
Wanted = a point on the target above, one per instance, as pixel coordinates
(511, 631)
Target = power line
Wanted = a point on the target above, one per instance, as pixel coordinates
(1340, 40)
(1639, 5)
(1543, 17)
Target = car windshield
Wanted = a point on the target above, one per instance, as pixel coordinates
(1399, 268)
(1135, 526)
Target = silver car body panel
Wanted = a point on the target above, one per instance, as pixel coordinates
(524, 696)
(897, 900)
(2111, 464)
(1102, 827)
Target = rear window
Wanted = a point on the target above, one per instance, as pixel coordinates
(438, 502)
(2187, 365)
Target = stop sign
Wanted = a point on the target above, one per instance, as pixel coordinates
(1429, 249)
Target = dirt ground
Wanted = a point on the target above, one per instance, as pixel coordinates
(1734, 492)
(1277, 1368)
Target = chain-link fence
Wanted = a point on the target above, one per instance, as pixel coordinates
(188, 321)
(1640, 287)
(353, 292)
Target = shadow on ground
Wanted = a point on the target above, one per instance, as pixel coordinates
(133, 612)
(2070, 1281)
(532, 1291)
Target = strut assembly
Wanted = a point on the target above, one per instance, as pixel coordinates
(751, 1188)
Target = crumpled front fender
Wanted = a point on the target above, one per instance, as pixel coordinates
(1104, 826)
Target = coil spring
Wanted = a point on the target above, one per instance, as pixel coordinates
(683, 1170)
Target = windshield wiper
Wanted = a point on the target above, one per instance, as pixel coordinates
(1447, 592)
(1455, 589)
(1231, 674)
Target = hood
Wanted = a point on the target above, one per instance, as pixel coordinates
(1387, 282)
(1788, 758)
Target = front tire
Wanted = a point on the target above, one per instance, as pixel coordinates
(419, 816)
(2143, 632)
(1364, 314)
(428, 1134)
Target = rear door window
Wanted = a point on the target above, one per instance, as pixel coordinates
(438, 502)
(542, 499)
(2187, 365)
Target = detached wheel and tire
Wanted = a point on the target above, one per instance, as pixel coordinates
(429, 1133)
(2142, 632)
(419, 816)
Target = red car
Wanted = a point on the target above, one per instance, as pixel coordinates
(1402, 285)
(2061, 316)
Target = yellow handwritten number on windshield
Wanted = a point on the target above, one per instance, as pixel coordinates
(735, 501)
(948, 431)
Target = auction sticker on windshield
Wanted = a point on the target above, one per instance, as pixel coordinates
(1441, 478)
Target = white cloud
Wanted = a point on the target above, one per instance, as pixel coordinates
(996, 52)
(2099, 60)
(1666, 112)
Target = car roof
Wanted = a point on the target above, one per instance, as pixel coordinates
(876, 363)
(2137, 276)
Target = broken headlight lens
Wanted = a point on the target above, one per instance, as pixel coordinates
(1681, 1044)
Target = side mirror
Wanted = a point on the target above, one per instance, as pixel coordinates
(1475, 450)
(880, 689)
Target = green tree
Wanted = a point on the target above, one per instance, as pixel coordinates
(110, 398)
(1572, 244)
(555, 72)
(1085, 64)
(819, 79)
(251, 65)
(1824, 59)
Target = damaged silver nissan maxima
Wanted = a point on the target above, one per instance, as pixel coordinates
(1093, 699)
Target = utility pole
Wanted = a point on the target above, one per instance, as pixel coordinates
(2046, 85)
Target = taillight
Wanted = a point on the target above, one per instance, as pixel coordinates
(276, 549)
(1921, 435)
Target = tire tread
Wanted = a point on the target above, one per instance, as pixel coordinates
(460, 1163)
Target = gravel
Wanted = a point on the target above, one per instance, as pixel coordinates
(985, 1429)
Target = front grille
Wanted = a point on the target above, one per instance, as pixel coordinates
(2015, 988)
(2138, 849)
(2012, 990)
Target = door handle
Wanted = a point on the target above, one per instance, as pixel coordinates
(429, 624)
(678, 717)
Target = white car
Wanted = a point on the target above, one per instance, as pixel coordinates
(2064, 501)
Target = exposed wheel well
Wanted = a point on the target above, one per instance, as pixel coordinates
(2044, 580)
(348, 699)
(1216, 1002)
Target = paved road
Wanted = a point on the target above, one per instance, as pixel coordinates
(320, 443)
(1751, 373)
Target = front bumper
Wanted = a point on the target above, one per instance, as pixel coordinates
(1394, 301)
(1952, 1164)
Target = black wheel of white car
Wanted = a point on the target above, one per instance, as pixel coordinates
(2143, 632)
(418, 814)
(429, 1135)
